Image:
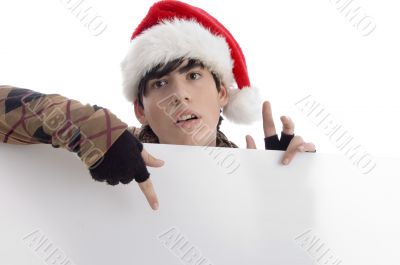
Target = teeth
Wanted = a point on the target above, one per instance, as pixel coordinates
(185, 117)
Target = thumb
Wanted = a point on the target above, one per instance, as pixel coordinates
(150, 160)
(250, 144)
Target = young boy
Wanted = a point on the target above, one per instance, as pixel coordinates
(180, 72)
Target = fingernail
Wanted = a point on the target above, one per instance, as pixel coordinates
(286, 161)
(155, 206)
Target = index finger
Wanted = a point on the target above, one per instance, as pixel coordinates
(268, 122)
(148, 191)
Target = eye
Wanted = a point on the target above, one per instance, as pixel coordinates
(194, 76)
(159, 83)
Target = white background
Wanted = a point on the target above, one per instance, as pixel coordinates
(293, 49)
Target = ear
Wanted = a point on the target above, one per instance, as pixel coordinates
(139, 112)
(223, 96)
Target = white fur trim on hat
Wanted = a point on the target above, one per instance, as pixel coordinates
(169, 40)
(244, 106)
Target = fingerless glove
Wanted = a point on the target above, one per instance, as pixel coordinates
(122, 162)
(273, 143)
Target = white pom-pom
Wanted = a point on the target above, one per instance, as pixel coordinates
(245, 105)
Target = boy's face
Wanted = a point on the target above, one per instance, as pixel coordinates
(189, 89)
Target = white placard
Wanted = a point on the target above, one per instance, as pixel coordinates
(217, 206)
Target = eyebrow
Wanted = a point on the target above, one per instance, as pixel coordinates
(190, 66)
(182, 70)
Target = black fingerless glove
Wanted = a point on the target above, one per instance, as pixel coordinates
(273, 143)
(122, 162)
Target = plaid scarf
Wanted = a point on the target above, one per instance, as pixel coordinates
(146, 135)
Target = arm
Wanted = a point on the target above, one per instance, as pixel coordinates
(97, 136)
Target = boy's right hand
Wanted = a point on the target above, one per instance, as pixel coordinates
(147, 186)
(127, 160)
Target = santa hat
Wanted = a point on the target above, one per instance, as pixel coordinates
(171, 30)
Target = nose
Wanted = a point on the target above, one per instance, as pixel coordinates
(180, 91)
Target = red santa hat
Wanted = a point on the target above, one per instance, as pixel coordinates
(171, 30)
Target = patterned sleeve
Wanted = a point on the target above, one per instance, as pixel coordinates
(30, 117)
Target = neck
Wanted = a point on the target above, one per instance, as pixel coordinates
(211, 141)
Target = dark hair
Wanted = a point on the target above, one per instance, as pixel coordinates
(161, 70)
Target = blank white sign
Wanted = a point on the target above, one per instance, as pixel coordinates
(217, 206)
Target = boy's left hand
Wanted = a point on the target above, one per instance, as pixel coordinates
(288, 142)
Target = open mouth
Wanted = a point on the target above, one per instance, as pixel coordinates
(188, 121)
(187, 118)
